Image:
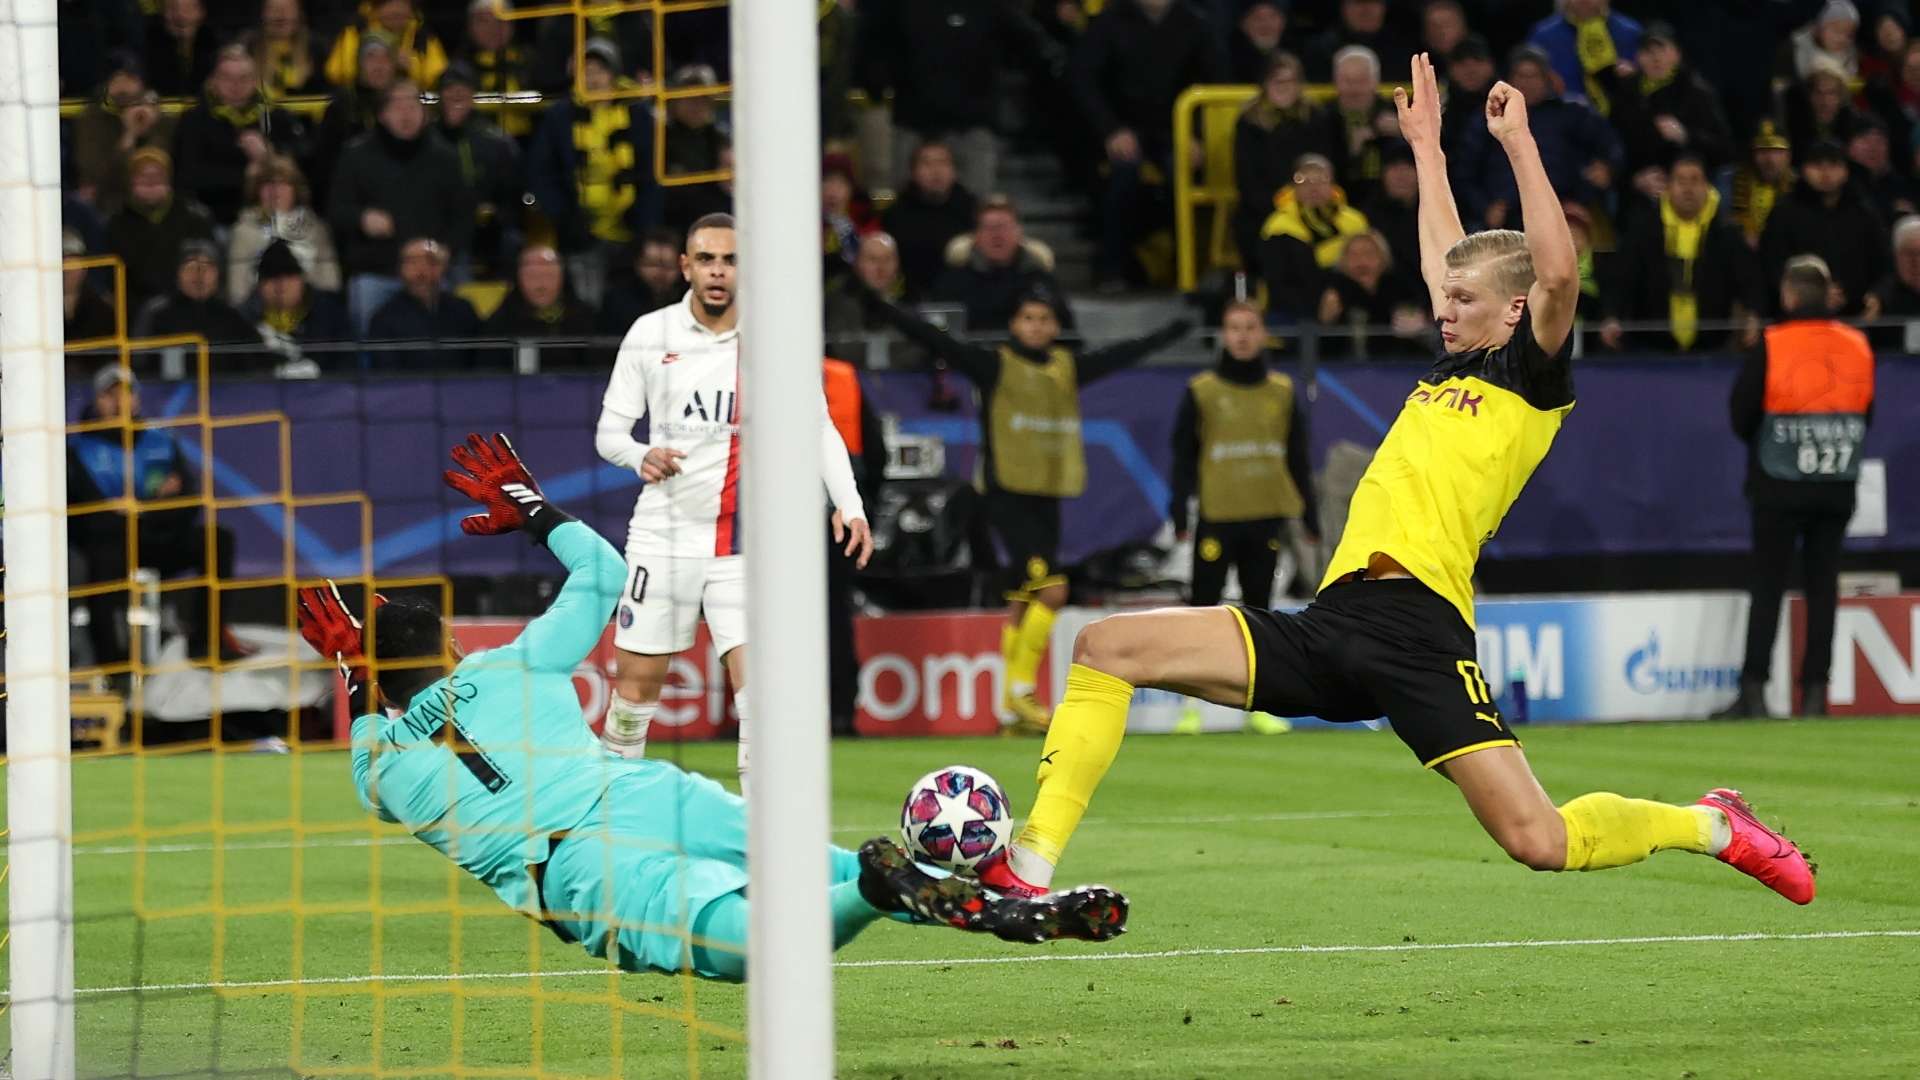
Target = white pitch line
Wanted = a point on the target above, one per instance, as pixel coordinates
(838, 830)
(1398, 947)
(1032, 958)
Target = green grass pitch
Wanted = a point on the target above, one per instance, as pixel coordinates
(1294, 897)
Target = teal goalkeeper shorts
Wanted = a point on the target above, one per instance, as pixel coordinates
(628, 883)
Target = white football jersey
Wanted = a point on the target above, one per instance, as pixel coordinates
(685, 379)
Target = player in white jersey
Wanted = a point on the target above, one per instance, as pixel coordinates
(680, 368)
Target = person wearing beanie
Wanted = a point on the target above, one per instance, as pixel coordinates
(1661, 108)
(1829, 41)
(147, 232)
(194, 307)
(1031, 461)
(290, 312)
(1825, 215)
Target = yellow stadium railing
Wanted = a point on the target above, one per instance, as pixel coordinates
(131, 506)
(1217, 109)
(1212, 111)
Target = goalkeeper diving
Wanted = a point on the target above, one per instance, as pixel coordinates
(487, 758)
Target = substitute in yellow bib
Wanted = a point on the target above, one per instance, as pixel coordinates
(1391, 632)
(1031, 459)
(1240, 444)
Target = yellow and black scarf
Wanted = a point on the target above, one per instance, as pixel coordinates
(1593, 43)
(1754, 199)
(1684, 239)
(240, 116)
(285, 320)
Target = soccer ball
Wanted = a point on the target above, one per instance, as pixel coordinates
(958, 818)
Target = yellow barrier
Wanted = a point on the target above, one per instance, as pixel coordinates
(1215, 188)
(1222, 105)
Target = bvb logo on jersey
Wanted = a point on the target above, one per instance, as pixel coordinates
(1210, 550)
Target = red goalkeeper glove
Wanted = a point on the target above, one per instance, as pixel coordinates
(496, 478)
(330, 627)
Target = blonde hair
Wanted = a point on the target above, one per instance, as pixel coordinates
(1502, 253)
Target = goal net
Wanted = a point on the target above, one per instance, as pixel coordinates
(194, 887)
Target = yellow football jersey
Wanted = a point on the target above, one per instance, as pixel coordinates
(1463, 446)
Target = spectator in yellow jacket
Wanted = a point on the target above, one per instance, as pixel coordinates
(419, 52)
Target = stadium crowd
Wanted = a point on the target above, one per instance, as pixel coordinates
(1692, 171)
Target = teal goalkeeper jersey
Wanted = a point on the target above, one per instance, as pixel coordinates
(487, 764)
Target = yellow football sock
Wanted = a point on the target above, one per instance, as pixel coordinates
(1087, 727)
(1029, 645)
(1605, 830)
(1009, 636)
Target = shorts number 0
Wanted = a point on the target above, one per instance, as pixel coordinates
(638, 592)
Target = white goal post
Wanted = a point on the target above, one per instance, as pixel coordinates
(776, 119)
(32, 422)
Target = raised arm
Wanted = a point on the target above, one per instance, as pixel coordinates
(1439, 218)
(571, 626)
(1556, 270)
(492, 474)
(1104, 361)
(980, 365)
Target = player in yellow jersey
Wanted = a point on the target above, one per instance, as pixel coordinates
(1391, 631)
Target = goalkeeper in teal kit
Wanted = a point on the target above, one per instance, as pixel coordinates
(487, 759)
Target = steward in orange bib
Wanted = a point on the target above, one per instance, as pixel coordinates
(859, 428)
(1801, 404)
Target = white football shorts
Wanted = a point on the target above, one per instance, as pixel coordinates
(666, 596)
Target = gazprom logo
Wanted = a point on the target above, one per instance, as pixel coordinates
(1646, 675)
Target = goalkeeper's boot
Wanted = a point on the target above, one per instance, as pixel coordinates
(1189, 722)
(1086, 913)
(1260, 723)
(997, 874)
(1760, 852)
(1029, 716)
(891, 881)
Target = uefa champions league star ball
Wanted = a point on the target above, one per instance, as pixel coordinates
(958, 818)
